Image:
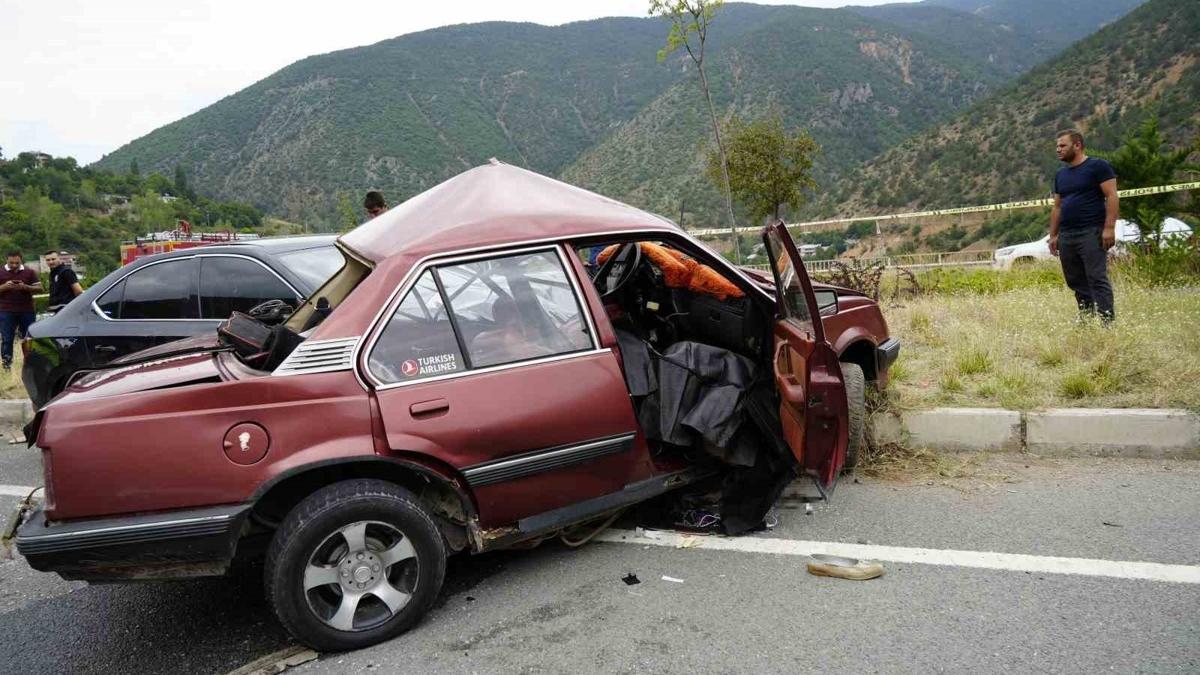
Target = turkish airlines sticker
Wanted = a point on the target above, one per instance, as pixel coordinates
(410, 368)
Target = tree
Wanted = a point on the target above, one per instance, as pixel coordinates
(181, 184)
(767, 168)
(152, 212)
(133, 168)
(45, 218)
(1145, 160)
(688, 18)
(347, 217)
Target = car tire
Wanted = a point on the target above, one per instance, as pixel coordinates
(369, 536)
(856, 408)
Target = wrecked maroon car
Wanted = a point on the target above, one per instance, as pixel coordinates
(502, 359)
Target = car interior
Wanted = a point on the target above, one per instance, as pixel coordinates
(696, 349)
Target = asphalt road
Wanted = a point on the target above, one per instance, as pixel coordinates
(556, 609)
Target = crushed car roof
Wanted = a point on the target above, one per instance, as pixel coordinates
(490, 205)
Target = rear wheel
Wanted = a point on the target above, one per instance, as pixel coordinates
(355, 563)
(856, 402)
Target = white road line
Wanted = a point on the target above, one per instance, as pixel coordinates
(1015, 562)
(16, 490)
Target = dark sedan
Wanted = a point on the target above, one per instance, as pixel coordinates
(162, 298)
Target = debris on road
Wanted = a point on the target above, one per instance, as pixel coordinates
(278, 662)
(688, 541)
(1111, 524)
(672, 579)
(843, 568)
(647, 534)
(631, 579)
(808, 509)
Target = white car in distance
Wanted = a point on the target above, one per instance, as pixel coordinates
(1033, 251)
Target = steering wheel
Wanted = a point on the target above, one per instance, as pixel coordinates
(618, 270)
(271, 312)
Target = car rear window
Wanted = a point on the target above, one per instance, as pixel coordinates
(514, 308)
(418, 341)
(229, 284)
(314, 266)
(503, 310)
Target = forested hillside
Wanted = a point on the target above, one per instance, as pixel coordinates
(52, 203)
(1013, 49)
(857, 85)
(406, 113)
(1058, 22)
(1003, 148)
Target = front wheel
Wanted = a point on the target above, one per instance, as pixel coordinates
(856, 404)
(356, 563)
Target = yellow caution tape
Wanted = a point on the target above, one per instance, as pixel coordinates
(1007, 206)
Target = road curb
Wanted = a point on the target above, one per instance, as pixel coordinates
(1104, 432)
(15, 411)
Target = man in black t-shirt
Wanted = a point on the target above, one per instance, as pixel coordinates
(1083, 224)
(64, 285)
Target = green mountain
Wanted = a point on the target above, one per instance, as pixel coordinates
(1003, 148)
(1011, 49)
(587, 101)
(406, 113)
(1059, 21)
(858, 85)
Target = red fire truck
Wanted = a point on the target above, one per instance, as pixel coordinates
(181, 237)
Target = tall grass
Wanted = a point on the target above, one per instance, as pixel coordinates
(10, 380)
(1015, 340)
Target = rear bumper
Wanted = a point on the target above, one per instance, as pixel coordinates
(175, 544)
(885, 354)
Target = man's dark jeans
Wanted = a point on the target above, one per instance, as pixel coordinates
(10, 322)
(1085, 266)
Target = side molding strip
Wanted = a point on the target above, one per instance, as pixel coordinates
(549, 459)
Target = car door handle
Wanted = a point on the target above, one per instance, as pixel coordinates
(107, 349)
(429, 407)
(789, 385)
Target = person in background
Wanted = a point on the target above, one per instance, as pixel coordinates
(374, 203)
(64, 284)
(18, 283)
(1083, 224)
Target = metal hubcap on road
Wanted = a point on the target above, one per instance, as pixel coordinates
(360, 576)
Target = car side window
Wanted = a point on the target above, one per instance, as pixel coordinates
(110, 302)
(515, 308)
(162, 291)
(418, 342)
(795, 304)
(229, 284)
(502, 310)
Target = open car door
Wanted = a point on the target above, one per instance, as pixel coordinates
(812, 394)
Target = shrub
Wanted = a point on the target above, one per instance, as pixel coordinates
(1049, 356)
(950, 382)
(980, 281)
(1078, 384)
(972, 361)
(1175, 264)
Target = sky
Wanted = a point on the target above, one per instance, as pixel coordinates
(82, 78)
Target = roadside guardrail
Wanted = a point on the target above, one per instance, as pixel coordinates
(912, 261)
